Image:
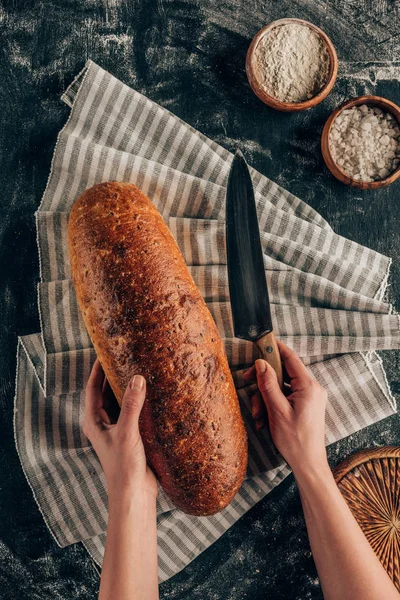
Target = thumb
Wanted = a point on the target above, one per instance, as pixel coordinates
(268, 385)
(133, 401)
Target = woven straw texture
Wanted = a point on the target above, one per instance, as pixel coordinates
(370, 483)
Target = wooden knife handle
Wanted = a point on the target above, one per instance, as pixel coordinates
(269, 351)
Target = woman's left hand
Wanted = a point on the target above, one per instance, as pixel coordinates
(118, 444)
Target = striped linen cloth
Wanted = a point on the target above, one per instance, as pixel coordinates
(327, 297)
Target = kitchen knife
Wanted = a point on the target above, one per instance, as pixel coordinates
(248, 289)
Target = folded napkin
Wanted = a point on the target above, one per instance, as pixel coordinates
(327, 296)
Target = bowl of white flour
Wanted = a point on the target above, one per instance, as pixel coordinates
(291, 65)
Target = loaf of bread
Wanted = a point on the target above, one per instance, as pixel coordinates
(145, 315)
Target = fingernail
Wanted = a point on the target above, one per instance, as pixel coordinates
(261, 366)
(137, 383)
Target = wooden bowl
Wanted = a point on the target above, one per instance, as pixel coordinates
(291, 106)
(370, 483)
(386, 106)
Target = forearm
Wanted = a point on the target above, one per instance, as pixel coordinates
(130, 561)
(347, 566)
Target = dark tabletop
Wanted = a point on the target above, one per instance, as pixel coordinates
(188, 56)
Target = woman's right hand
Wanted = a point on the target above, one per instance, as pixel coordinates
(296, 421)
(347, 566)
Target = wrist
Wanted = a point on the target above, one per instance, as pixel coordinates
(132, 493)
(137, 509)
(313, 474)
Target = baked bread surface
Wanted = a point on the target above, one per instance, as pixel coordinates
(145, 315)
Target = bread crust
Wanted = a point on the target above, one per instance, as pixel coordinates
(145, 315)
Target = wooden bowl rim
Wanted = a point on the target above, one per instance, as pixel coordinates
(292, 106)
(363, 456)
(333, 167)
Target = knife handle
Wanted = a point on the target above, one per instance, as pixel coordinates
(269, 351)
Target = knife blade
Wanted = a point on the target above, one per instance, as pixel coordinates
(251, 311)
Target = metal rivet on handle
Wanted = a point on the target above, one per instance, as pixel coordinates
(269, 349)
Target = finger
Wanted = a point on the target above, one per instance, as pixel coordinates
(299, 376)
(132, 402)
(257, 406)
(268, 385)
(103, 417)
(96, 377)
(94, 393)
(250, 374)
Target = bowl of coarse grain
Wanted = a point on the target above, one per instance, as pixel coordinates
(291, 65)
(360, 142)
